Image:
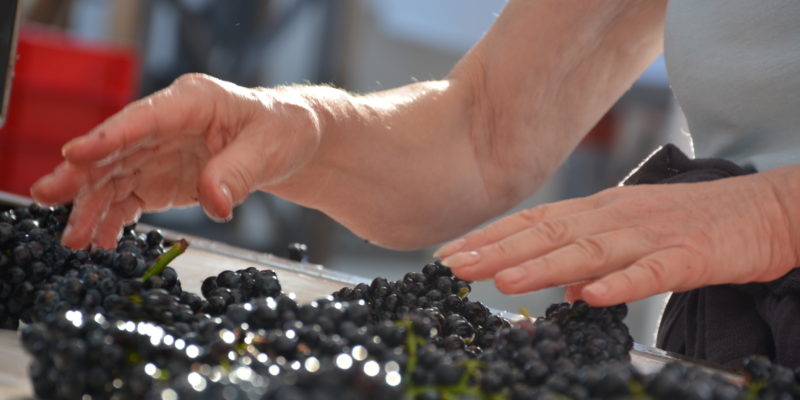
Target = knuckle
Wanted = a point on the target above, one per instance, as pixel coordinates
(554, 230)
(534, 214)
(243, 177)
(477, 237)
(648, 233)
(192, 79)
(656, 269)
(499, 250)
(546, 271)
(544, 267)
(695, 241)
(628, 283)
(593, 248)
(194, 86)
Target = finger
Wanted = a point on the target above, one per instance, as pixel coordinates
(670, 269)
(87, 212)
(229, 177)
(535, 241)
(185, 105)
(587, 258)
(512, 224)
(133, 128)
(63, 185)
(67, 180)
(121, 213)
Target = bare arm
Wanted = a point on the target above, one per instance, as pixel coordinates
(404, 168)
(473, 145)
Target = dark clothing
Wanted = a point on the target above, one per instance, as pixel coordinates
(724, 323)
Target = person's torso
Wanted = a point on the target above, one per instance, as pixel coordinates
(734, 66)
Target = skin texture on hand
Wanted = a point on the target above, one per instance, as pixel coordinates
(189, 143)
(627, 243)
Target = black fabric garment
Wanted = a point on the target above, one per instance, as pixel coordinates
(724, 323)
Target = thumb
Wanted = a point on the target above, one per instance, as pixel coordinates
(227, 179)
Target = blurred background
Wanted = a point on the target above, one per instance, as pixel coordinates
(82, 60)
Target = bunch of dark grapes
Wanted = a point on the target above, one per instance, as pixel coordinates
(39, 276)
(130, 359)
(117, 324)
(434, 288)
(77, 354)
(237, 287)
(771, 381)
(29, 254)
(592, 334)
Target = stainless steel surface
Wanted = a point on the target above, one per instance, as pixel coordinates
(312, 270)
(307, 281)
(650, 359)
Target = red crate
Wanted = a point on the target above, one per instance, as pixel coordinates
(62, 88)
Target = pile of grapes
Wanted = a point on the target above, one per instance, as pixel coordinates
(116, 324)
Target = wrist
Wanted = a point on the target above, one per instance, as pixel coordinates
(785, 185)
(312, 115)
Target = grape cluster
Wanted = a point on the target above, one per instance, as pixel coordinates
(231, 287)
(38, 275)
(256, 350)
(592, 334)
(117, 324)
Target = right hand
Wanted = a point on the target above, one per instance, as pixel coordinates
(201, 140)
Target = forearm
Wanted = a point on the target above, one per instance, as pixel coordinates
(396, 167)
(546, 78)
(419, 164)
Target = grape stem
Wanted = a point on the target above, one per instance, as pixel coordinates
(446, 392)
(163, 260)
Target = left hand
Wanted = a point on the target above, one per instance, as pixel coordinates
(627, 243)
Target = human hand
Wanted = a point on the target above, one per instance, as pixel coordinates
(199, 140)
(627, 243)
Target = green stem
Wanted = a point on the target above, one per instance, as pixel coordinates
(638, 391)
(753, 389)
(411, 348)
(163, 260)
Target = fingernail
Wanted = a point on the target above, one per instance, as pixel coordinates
(459, 260)
(450, 248)
(216, 219)
(40, 184)
(511, 275)
(226, 191)
(67, 146)
(597, 289)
